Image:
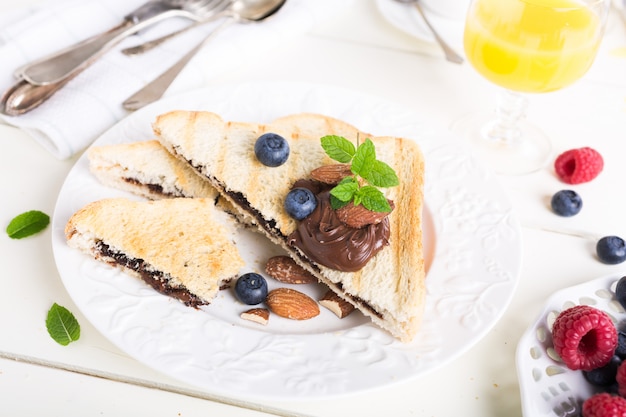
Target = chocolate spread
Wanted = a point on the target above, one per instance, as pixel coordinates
(326, 240)
(153, 278)
(154, 188)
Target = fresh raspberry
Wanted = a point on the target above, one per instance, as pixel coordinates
(584, 337)
(578, 165)
(604, 405)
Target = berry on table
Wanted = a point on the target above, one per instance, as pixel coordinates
(584, 337)
(566, 203)
(271, 149)
(611, 250)
(300, 203)
(251, 288)
(576, 166)
(604, 405)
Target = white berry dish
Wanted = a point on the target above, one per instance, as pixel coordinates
(547, 386)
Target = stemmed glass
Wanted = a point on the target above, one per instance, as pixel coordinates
(526, 46)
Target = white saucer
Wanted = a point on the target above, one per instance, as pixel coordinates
(406, 18)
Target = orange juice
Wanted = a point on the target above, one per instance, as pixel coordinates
(532, 45)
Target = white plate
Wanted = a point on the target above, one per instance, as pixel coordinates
(406, 18)
(472, 241)
(547, 386)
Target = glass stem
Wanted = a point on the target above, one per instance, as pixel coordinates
(511, 108)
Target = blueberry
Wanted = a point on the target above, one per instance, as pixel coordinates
(271, 149)
(611, 250)
(620, 349)
(620, 292)
(251, 288)
(300, 202)
(605, 375)
(566, 203)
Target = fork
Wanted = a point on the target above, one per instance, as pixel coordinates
(67, 62)
(149, 45)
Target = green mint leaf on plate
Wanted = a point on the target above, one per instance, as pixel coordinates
(363, 159)
(373, 199)
(381, 175)
(62, 325)
(27, 224)
(338, 148)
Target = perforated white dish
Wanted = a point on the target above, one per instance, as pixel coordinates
(547, 386)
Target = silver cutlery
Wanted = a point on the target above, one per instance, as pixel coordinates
(240, 11)
(53, 68)
(149, 45)
(24, 95)
(451, 54)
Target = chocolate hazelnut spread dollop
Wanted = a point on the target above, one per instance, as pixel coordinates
(324, 239)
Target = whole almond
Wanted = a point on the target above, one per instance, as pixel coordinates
(292, 304)
(331, 174)
(284, 269)
(359, 216)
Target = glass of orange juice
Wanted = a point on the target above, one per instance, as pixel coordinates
(526, 46)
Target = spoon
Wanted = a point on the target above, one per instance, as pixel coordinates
(23, 96)
(450, 54)
(240, 11)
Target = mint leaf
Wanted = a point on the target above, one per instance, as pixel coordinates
(381, 175)
(27, 224)
(366, 168)
(363, 159)
(62, 325)
(336, 203)
(338, 148)
(345, 190)
(373, 199)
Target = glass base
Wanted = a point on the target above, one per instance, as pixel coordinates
(522, 150)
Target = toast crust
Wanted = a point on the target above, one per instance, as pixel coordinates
(390, 288)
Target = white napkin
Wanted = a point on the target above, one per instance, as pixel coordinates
(91, 103)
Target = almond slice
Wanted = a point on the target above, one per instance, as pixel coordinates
(257, 315)
(336, 304)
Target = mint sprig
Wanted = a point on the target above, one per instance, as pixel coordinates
(62, 325)
(365, 166)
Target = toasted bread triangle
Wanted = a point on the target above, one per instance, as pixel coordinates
(175, 245)
(390, 287)
(146, 169)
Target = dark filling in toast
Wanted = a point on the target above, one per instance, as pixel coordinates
(155, 279)
(154, 188)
